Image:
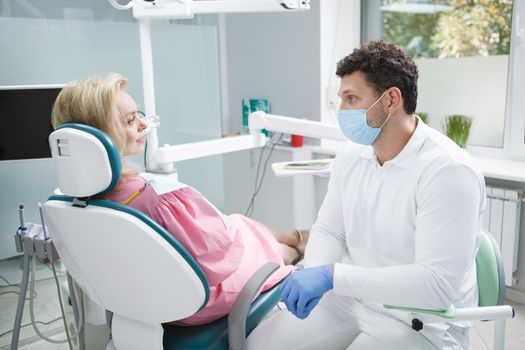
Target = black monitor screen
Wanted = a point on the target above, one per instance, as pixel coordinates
(26, 122)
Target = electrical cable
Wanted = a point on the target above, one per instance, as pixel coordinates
(258, 184)
(252, 199)
(17, 293)
(32, 314)
(80, 310)
(145, 152)
(264, 171)
(143, 115)
(61, 303)
(50, 269)
(257, 172)
(6, 281)
(29, 324)
(31, 307)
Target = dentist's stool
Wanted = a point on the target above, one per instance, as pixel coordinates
(491, 295)
(127, 263)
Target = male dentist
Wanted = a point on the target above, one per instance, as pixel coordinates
(406, 203)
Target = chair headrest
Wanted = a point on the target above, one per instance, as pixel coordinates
(87, 161)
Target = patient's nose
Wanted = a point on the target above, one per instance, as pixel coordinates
(142, 124)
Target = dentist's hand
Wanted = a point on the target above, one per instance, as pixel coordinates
(302, 290)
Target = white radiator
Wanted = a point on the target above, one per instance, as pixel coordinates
(502, 220)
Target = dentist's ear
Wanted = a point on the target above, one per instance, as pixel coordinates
(394, 100)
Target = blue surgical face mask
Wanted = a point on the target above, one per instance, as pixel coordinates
(355, 127)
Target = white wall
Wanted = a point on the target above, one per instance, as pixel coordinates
(275, 56)
(273, 204)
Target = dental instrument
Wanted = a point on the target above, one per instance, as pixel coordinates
(41, 213)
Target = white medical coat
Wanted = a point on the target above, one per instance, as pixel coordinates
(410, 226)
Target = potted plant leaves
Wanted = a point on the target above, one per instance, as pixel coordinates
(423, 116)
(457, 127)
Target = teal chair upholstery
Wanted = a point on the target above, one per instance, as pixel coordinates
(489, 266)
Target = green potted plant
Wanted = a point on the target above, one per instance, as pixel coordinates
(457, 127)
(423, 116)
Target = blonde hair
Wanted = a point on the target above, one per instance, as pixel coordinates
(92, 102)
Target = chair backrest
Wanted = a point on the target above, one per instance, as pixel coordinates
(123, 260)
(490, 275)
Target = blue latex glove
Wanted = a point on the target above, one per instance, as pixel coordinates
(302, 290)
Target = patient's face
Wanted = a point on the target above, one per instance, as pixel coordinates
(133, 125)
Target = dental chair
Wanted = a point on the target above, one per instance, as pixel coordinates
(491, 296)
(128, 264)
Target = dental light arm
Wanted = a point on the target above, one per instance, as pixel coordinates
(179, 9)
(170, 9)
(164, 156)
(260, 120)
(170, 154)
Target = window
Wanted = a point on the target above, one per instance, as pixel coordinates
(464, 51)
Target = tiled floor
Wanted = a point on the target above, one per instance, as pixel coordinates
(47, 309)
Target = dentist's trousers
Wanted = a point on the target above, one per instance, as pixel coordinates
(344, 323)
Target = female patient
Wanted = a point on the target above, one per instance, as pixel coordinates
(229, 249)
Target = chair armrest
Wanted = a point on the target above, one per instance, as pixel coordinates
(448, 313)
(462, 314)
(237, 317)
(485, 313)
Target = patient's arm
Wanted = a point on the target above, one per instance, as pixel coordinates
(292, 243)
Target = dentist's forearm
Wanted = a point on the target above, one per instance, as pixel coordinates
(402, 285)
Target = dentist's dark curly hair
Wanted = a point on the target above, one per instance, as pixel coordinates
(384, 66)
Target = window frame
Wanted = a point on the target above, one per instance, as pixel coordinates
(514, 123)
(516, 105)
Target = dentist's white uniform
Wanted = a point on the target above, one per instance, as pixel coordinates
(411, 229)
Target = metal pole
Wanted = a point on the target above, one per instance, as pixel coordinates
(148, 86)
(21, 302)
(499, 334)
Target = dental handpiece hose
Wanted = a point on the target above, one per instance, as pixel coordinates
(23, 227)
(41, 212)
